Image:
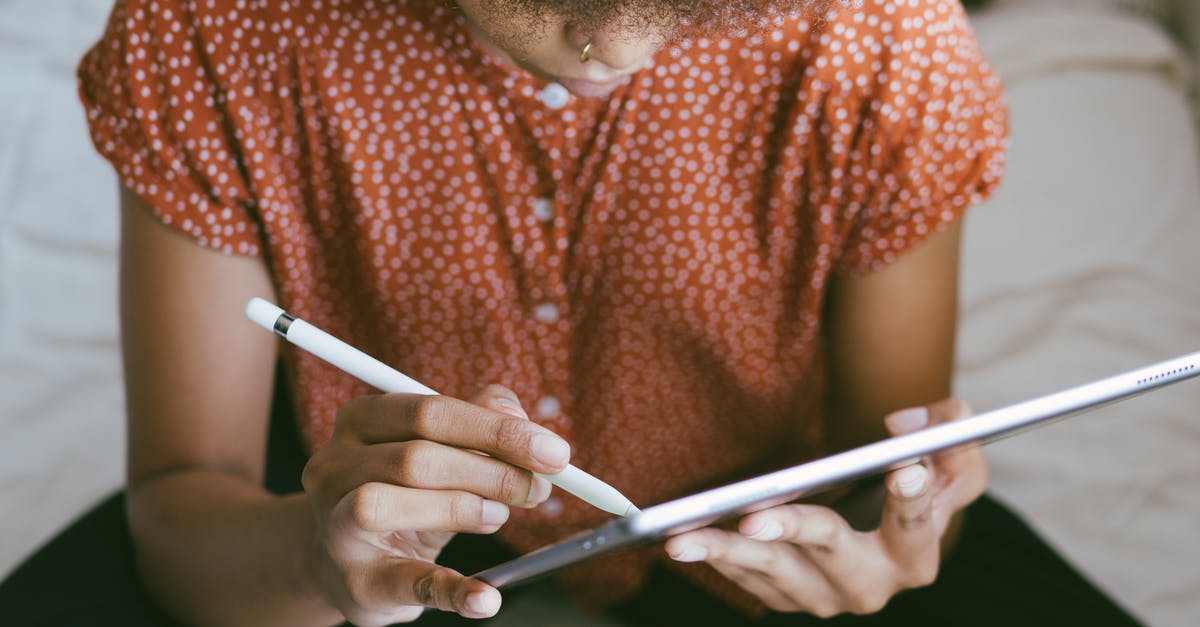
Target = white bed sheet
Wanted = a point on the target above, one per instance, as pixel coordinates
(1084, 265)
(61, 404)
(1081, 266)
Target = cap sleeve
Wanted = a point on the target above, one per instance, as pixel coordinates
(932, 139)
(154, 99)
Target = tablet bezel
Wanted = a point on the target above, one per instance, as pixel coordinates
(782, 486)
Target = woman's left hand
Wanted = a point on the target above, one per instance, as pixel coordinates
(807, 558)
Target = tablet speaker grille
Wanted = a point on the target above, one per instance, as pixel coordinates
(1167, 374)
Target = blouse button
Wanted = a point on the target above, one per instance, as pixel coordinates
(543, 209)
(552, 506)
(554, 96)
(546, 312)
(548, 407)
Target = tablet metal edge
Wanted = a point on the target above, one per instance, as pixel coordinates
(788, 484)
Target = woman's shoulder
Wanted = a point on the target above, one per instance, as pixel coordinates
(888, 61)
(879, 40)
(246, 36)
(900, 65)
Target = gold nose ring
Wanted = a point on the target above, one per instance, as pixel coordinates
(585, 54)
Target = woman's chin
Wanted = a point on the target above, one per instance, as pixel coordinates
(591, 89)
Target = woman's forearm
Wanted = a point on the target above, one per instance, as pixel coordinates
(214, 549)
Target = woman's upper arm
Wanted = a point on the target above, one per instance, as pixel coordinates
(890, 338)
(198, 375)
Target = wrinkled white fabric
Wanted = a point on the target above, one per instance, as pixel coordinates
(1082, 266)
(61, 402)
(1025, 39)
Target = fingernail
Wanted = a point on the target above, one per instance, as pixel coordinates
(494, 513)
(539, 490)
(690, 553)
(551, 450)
(911, 480)
(771, 530)
(514, 408)
(484, 601)
(907, 420)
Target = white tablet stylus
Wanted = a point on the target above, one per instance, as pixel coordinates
(353, 361)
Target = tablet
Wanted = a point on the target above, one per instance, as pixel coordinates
(779, 487)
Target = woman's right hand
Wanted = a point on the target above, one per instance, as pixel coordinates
(398, 477)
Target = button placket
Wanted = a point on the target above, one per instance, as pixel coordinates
(551, 332)
(548, 407)
(554, 96)
(538, 234)
(552, 506)
(546, 312)
(543, 209)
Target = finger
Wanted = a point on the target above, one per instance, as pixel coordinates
(499, 398)
(415, 582)
(822, 536)
(759, 585)
(948, 410)
(907, 420)
(960, 473)
(774, 572)
(907, 528)
(694, 546)
(961, 476)
(402, 417)
(380, 507)
(727, 549)
(432, 466)
(818, 531)
(856, 570)
(916, 418)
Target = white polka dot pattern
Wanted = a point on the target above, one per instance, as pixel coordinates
(653, 263)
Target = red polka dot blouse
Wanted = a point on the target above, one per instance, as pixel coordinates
(646, 271)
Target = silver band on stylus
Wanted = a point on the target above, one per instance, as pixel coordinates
(282, 324)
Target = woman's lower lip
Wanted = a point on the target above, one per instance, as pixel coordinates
(591, 89)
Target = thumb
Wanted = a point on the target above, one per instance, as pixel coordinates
(499, 398)
(419, 583)
(907, 526)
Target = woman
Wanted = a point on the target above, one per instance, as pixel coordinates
(672, 243)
